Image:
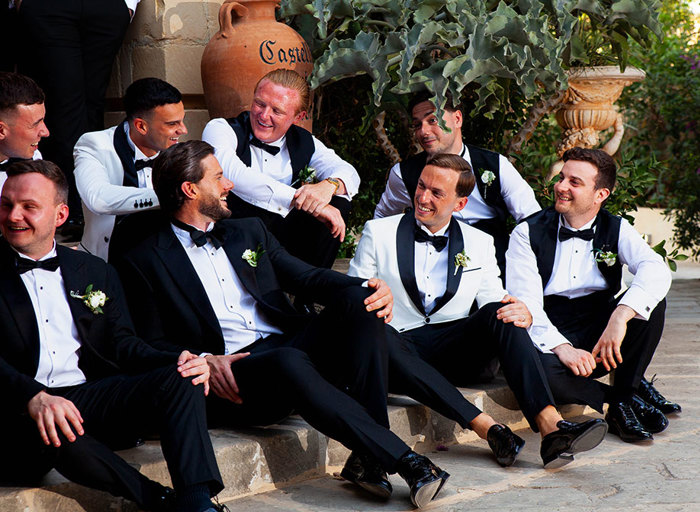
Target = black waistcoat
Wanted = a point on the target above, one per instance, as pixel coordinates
(544, 228)
(482, 160)
(300, 143)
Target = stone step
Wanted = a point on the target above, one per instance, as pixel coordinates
(257, 460)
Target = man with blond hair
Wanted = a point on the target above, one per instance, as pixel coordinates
(284, 175)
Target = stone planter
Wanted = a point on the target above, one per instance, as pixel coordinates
(249, 44)
(588, 106)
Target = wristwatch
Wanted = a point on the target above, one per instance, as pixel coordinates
(335, 182)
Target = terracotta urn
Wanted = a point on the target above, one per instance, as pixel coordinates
(588, 106)
(250, 43)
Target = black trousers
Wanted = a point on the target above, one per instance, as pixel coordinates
(68, 48)
(582, 321)
(300, 233)
(333, 373)
(114, 409)
(459, 350)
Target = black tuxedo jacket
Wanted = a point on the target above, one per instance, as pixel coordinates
(109, 344)
(171, 308)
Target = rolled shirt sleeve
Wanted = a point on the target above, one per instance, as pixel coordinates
(395, 198)
(517, 193)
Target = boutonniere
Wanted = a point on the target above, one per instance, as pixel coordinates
(487, 178)
(93, 299)
(607, 257)
(306, 175)
(252, 257)
(461, 260)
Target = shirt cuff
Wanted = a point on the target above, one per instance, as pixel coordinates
(639, 300)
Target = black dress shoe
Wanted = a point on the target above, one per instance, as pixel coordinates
(423, 477)
(504, 444)
(367, 473)
(652, 419)
(625, 424)
(650, 395)
(558, 447)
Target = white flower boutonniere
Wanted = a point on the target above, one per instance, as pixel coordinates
(93, 299)
(607, 257)
(461, 260)
(487, 177)
(306, 175)
(252, 257)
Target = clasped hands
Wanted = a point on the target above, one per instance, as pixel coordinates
(51, 412)
(314, 199)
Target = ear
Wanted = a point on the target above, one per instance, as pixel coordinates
(4, 130)
(61, 214)
(140, 125)
(189, 189)
(461, 203)
(300, 116)
(601, 195)
(458, 118)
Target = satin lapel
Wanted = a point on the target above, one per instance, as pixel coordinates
(184, 276)
(126, 156)
(19, 304)
(235, 245)
(73, 280)
(406, 258)
(455, 246)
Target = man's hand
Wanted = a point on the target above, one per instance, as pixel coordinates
(49, 411)
(607, 350)
(515, 311)
(580, 362)
(189, 364)
(222, 381)
(331, 217)
(381, 300)
(312, 197)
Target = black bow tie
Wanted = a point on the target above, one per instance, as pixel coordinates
(5, 165)
(25, 264)
(584, 234)
(140, 164)
(273, 150)
(438, 241)
(216, 236)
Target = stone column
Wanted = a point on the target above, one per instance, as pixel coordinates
(166, 40)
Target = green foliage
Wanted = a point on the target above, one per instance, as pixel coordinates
(663, 117)
(670, 258)
(447, 45)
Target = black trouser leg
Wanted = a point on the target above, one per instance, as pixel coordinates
(410, 375)
(160, 400)
(568, 388)
(459, 348)
(274, 380)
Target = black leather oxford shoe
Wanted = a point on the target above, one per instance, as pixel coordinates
(368, 474)
(558, 447)
(625, 424)
(423, 477)
(504, 444)
(652, 419)
(650, 395)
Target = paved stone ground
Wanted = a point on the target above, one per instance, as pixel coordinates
(661, 476)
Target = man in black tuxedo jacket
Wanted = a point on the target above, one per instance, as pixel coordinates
(75, 380)
(218, 288)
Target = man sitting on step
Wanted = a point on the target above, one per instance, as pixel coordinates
(565, 263)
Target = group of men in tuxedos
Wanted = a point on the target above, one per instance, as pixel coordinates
(211, 237)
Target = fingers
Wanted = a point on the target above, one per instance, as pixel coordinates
(381, 300)
(508, 299)
(186, 355)
(223, 383)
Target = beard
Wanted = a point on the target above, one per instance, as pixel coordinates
(213, 209)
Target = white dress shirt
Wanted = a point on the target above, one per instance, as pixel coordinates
(3, 174)
(267, 182)
(241, 320)
(431, 269)
(145, 175)
(59, 343)
(517, 194)
(575, 274)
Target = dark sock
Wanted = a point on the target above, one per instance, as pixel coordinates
(193, 498)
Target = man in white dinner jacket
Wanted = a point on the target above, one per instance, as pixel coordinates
(113, 166)
(436, 267)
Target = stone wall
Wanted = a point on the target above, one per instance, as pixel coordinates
(166, 40)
